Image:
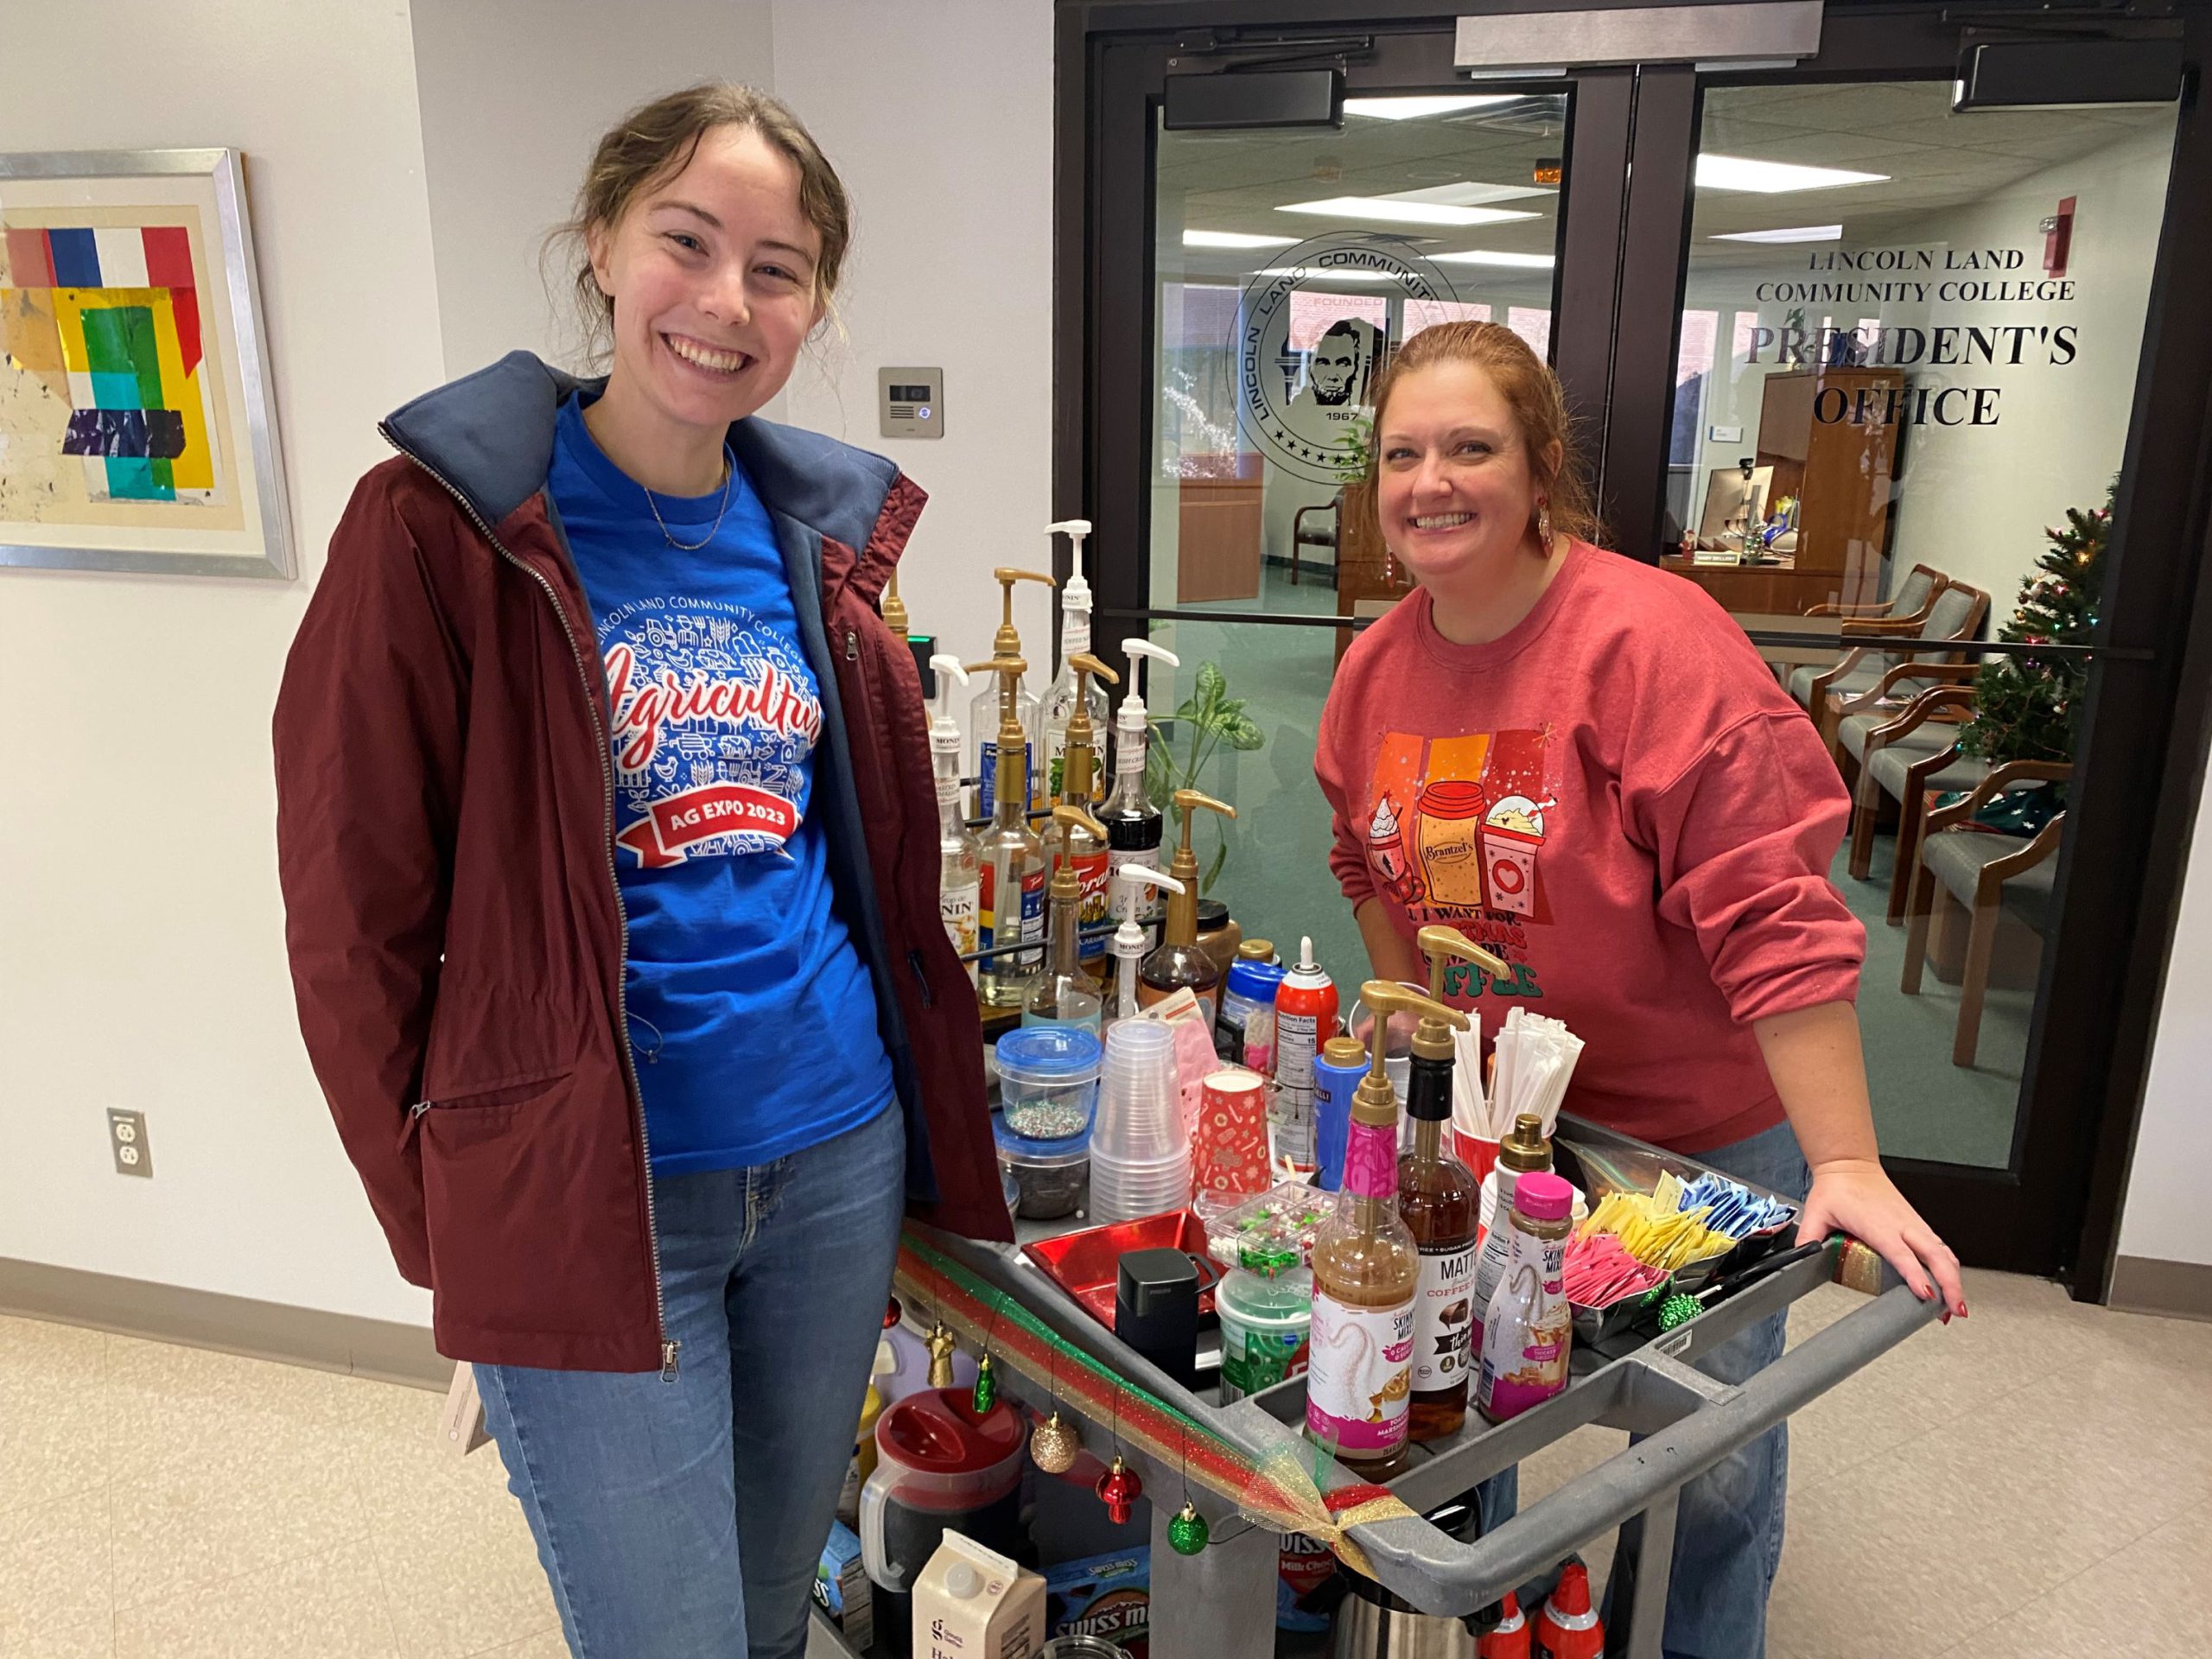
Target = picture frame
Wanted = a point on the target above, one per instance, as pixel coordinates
(137, 418)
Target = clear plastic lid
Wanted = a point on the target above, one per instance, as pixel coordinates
(1049, 1054)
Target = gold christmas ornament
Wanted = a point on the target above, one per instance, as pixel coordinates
(1055, 1445)
(939, 1343)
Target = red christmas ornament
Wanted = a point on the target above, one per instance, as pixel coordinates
(1119, 1488)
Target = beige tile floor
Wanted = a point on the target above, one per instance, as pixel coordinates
(2022, 1485)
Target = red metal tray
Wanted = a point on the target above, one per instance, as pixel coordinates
(1087, 1265)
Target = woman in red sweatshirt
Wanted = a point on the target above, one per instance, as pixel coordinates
(1580, 761)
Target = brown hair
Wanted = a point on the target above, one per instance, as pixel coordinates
(1530, 390)
(658, 139)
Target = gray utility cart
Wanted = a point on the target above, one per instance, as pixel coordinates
(1220, 1603)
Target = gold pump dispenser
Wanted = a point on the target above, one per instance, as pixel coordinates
(1441, 946)
(1078, 787)
(1179, 963)
(893, 607)
(1078, 779)
(986, 710)
(1013, 858)
(1065, 995)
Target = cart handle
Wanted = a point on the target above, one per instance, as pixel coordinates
(1442, 1576)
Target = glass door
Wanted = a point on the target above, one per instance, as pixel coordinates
(1909, 346)
(1280, 267)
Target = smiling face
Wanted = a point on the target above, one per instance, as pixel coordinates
(711, 270)
(1456, 487)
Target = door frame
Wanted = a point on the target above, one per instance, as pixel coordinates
(2055, 1210)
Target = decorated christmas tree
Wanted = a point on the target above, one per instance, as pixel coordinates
(2026, 707)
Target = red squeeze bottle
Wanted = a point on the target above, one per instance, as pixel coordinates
(1568, 1628)
(1305, 1018)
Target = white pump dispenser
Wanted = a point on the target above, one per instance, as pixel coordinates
(960, 854)
(1130, 720)
(1132, 939)
(944, 730)
(1075, 640)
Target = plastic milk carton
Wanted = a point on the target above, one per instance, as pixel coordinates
(973, 1603)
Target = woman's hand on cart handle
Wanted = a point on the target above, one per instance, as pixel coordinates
(1856, 1196)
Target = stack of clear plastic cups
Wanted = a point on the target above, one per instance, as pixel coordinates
(1140, 1150)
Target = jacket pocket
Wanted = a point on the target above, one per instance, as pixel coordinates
(504, 1177)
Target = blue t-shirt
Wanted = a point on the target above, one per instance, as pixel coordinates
(751, 1019)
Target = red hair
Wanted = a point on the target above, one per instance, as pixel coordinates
(1531, 391)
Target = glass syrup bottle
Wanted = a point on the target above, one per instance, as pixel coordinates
(1134, 824)
(1014, 861)
(1441, 1202)
(1366, 1274)
(960, 856)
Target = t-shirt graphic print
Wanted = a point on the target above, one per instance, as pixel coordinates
(1455, 832)
(715, 716)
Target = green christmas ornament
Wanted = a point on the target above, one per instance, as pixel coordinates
(987, 1386)
(1187, 1531)
(1678, 1309)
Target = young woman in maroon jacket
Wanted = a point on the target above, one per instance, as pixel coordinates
(1612, 793)
(614, 954)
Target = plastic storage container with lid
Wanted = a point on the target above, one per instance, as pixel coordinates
(1266, 1305)
(1249, 990)
(940, 1465)
(1051, 1178)
(1048, 1080)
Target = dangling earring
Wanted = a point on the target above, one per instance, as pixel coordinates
(1544, 526)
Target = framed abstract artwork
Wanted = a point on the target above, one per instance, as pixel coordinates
(137, 431)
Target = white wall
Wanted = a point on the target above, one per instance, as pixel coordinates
(2164, 1217)
(938, 115)
(514, 94)
(141, 937)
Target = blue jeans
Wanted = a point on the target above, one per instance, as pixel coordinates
(1728, 1527)
(683, 1518)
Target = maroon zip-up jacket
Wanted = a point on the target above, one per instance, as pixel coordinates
(445, 843)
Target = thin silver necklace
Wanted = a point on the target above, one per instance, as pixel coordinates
(729, 476)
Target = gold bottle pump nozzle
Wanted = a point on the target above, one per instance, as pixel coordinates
(1081, 733)
(1013, 742)
(1374, 1103)
(1067, 885)
(893, 607)
(1442, 944)
(1183, 908)
(1007, 642)
(1526, 1148)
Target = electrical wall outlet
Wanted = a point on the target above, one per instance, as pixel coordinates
(126, 1135)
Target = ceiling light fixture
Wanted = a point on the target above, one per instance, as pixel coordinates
(1314, 274)
(1491, 256)
(1384, 210)
(1466, 193)
(1791, 233)
(1773, 178)
(1233, 239)
(1411, 109)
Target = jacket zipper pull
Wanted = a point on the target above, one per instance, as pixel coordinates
(668, 1351)
(852, 646)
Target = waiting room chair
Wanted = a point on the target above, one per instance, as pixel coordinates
(1321, 536)
(1907, 608)
(1955, 615)
(1979, 872)
(1879, 730)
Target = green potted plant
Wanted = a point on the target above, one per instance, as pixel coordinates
(1206, 719)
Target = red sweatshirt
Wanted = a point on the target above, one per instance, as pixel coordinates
(1618, 800)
